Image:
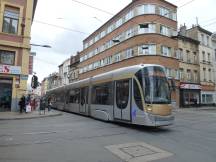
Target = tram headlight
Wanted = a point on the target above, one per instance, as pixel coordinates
(149, 109)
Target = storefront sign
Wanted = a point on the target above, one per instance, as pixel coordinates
(23, 77)
(190, 86)
(7, 69)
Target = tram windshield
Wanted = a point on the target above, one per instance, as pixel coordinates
(156, 86)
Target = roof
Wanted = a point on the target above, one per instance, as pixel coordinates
(201, 29)
(187, 39)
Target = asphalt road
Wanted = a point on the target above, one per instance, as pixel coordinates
(74, 138)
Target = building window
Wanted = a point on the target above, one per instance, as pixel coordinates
(97, 37)
(195, 76)
(11, 20)
(215, 54)
(188, 75)
(146, 28)
(129, 33)
(166, 51)
(209, 58)
(103, 33)
(117, 57)
(181, 54)
(181, 74)
(129, 53)
(204, 74)
(119, 23)
(164, 30)
(202, 38)
(188, 56)
(207, 41)
(7, 57)
(129, 15)
(168, 72)
(195, 58)
(177, 74)
(203, 55)
(164, 12)
(96, 65)
(148, 49)
(149, 9)
(210, 75)
(174, 16)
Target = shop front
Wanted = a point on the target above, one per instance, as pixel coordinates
(9, 82)
(190, 95)
(5, 94)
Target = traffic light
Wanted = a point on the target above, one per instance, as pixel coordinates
(34, 82)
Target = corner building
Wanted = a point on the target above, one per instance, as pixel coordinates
(141, 33)
(16, 18)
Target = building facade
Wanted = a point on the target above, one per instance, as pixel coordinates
(64, 72)
(53, 81)
(141, 33)
(15, 24)
(74, 70)
(189, 70)
(44, 86)
(207, 63)
(214, 59)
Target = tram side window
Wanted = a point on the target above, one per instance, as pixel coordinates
(59, 98)
(102, 94)
(137, 96)
(74, 96)
(122, 93)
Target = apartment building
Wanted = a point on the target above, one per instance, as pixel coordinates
(214, 60)
(73, 69)
(15, 25)
(207, 63)
(189, 70)
(44, 86)
(53, 80)
(141, 33)
(64, 72)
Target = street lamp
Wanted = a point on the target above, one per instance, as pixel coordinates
(39, 45)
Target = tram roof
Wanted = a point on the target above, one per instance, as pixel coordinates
(106, 76)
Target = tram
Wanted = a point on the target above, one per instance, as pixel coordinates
(139, 94)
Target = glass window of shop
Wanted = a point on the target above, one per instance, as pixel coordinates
(5, 94)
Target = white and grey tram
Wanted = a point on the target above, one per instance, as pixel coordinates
(138, 94)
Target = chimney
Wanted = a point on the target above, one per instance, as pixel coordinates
(183, 30)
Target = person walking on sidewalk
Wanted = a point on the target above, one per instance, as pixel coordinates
(49, 104)
(22, 103)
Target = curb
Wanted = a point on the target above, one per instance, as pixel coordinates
(33, 117)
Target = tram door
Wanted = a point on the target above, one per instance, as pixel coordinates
(122, 100)
(83, 99)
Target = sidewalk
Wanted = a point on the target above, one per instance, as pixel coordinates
(196, 109)
(29, 115)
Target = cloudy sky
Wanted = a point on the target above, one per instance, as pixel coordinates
(63, 24)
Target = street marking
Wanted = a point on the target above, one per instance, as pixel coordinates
(35, 133)
(138, 152)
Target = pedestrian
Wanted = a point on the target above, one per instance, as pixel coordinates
(49, 104)
(22, 103)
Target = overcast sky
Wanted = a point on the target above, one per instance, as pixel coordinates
(85, 20)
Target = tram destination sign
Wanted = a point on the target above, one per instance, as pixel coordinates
(7, 69)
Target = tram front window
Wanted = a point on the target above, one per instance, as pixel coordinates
(156, 86)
